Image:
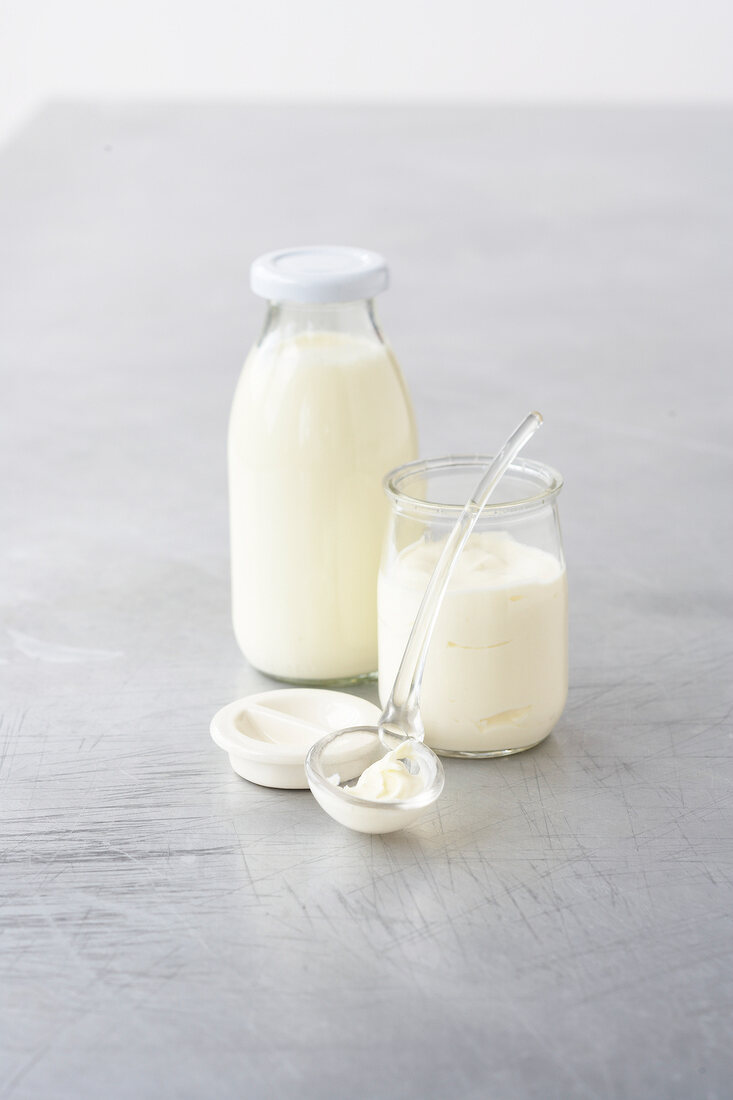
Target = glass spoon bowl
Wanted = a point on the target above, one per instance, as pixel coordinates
(326, 773)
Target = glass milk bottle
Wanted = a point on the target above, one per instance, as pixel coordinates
(320, 414)
(496, 674)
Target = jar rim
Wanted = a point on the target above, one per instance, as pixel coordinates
(548, 480)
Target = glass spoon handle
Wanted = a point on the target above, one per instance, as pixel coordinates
(401, 716)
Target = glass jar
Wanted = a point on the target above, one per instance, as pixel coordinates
(496, 674)
(320, 414)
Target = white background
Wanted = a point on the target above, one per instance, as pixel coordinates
(434, 50)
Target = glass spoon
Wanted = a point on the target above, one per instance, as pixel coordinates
(400, 726)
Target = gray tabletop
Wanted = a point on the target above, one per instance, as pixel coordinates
(561, 926)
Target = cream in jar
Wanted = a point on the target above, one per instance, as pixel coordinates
(496, 673)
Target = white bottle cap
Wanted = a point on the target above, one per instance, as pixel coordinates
(323, 273)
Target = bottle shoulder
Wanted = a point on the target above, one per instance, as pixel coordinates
(336, 396)
(317, 363)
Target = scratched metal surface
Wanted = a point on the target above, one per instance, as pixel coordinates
(562, 925)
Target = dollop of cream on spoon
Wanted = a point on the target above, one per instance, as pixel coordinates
(395, 776)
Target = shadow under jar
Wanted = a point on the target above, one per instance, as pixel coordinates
(496, 675)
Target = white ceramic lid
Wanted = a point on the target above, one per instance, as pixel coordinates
(267, 736)
(321, 273)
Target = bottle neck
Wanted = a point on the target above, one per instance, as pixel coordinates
(287, 319)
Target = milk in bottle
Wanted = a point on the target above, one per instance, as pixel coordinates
(321, 413)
